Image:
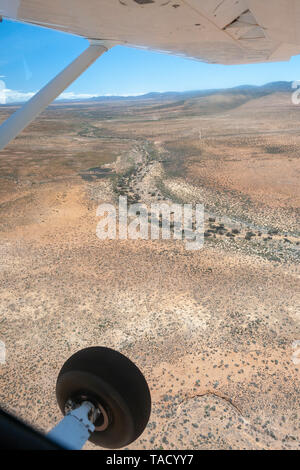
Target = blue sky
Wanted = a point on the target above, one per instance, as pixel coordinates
(30, 56)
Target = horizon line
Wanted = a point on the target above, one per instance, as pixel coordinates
(14, 97)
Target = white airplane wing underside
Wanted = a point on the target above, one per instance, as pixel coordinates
(216, 31)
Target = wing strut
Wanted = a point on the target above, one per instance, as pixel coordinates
(30, 110)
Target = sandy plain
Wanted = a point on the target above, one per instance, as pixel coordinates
(214, 331)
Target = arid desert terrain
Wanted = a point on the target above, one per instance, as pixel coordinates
(216, 332)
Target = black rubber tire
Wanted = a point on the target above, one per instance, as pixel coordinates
(117, 384)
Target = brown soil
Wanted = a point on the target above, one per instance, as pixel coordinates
(212, 330)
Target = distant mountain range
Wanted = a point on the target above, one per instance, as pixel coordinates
(252, 90)
(246, 91)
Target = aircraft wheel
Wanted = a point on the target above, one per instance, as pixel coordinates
(115, 386)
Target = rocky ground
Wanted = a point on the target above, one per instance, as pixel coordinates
(144, 180)
(216, 331)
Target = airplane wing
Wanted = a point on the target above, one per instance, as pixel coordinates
(215, 31)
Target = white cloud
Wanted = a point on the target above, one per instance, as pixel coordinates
(85, 96)
(123, 95)
(70, 95)
(8, 96)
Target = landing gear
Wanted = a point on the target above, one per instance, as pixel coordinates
(107, 393)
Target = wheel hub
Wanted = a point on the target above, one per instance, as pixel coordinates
(98, 414)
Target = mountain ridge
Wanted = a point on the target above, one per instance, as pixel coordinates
(251, 91)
